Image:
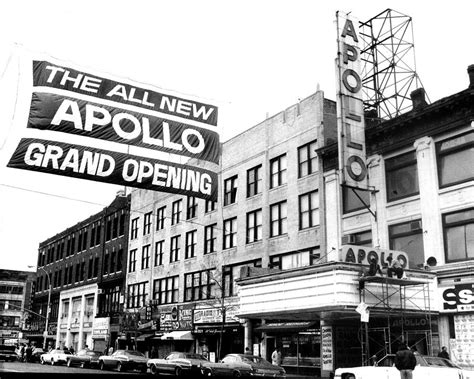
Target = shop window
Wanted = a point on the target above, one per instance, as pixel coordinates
(408, 237)
(458, 229)
(455, 157)
(401, 176)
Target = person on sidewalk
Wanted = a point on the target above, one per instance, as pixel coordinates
(276, 357)
(444, 353)
(405, 361)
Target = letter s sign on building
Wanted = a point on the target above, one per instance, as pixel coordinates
(458, 298)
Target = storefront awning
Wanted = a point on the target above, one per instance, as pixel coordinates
(144, 337)
(285, 326)
(178, 335)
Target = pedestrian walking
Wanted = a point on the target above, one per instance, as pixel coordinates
(71, 350)
(22, 352)
(29, 351)
(405, 361)
(444, 353)
(276, 357)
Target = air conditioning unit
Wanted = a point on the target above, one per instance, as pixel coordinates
(415, 225)
(348, 239)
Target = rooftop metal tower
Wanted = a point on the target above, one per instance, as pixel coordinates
(388, 64)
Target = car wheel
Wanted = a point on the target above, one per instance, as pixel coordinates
(83, 364)
(236, 374)
(153, 370)
(52, 362)
(42, 360)
(178, 371)
(120, 367)
(68, 363)
(206, 372)
(102, 365)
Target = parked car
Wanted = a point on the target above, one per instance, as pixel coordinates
(247, 365)
(84, 358)
(7, 353)
(124, 360)
(426, 367)
(55, 357)
(36, 354)
(178, 363)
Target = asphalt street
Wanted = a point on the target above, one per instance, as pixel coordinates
(20, 367)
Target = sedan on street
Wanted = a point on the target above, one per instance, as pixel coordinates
(124, 360)
(177, 364)
(426, 367)
(55, 357)
(247, 365)
(84, 358)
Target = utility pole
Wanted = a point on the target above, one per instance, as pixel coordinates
(45, 333)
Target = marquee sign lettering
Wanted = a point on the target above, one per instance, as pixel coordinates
(132, 134)
(363, 254)
(350, 108)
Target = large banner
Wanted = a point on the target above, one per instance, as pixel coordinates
(119, 132)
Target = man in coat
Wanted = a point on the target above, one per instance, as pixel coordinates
(405, 362)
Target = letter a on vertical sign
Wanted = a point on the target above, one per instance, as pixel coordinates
(350, 107)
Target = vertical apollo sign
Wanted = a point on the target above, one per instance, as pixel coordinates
(350, 108)
(94, 127)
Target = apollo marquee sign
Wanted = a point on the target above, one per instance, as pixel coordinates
(350, 108)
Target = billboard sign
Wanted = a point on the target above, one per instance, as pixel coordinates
(350, 107)
(119, 132)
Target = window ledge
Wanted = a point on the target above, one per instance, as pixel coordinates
(405, 200)
(456, 187)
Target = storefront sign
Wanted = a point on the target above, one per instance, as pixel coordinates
(350, 107)
(63, 326)
(169, 319)
(207, 316)
(87, 325)
(185, 317)
(363, 254)
(101, 327)
(462, 347)
(459, 297)
(147, 325)
(327, 362)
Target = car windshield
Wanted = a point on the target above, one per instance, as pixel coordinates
(439, 362)
(134, 353)
(195, 356)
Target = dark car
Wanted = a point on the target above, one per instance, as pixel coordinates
(178, 364)
(124, 360)
(7, 353)
(251, 365)
(84, 358)
(36, 354)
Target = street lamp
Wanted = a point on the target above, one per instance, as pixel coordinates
(45, 334)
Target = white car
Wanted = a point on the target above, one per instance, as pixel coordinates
(426, 367)
(55, 357)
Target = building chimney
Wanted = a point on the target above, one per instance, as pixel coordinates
(418, 98)
(470, 71)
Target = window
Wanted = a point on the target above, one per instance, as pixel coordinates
(278, 168)
(191, 209)
(92, 241)
(137, 294)
(175, 246)
(176, 212)
(134, 229)
(106, 263)
(108, 228)
(458, 230)
(96, 267)
(132, 260)
(362, 238)
(254, 181)
(115, 225)
(147, 223)
(190, 244)
(78, 273)
(307, 159)
(278, 219)
(210, 239)
(231, 273)
(210, 206)
(122, 223)
(295, 259)
(309, 213)
(254, 226)
(230, 233)
(90, 268)
(145, 257)
(165, 291)
(354, 199)
(230, 190)
(159, 252)
(97, 233)
(113, 260)
(401, 176)
(160, 218)
(455, 157)
(120, 259)
(198, 285)
(408, 237)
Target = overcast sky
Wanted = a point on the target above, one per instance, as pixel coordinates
(251, 58)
